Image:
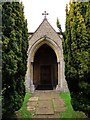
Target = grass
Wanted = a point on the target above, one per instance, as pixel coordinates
(69, 113)
(23, 112)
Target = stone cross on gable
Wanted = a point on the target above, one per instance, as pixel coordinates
(45, 14)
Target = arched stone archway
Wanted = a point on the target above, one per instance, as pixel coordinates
(60, 63)
(45, 35)
(32, 50)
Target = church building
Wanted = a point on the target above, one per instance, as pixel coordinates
(45, 64)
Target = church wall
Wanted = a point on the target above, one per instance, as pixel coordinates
(45, 34)
(56, 74)
(46, 30)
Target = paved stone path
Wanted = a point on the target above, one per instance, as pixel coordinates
(45, 104)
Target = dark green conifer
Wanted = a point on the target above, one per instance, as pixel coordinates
(76, 54)
(14, 56)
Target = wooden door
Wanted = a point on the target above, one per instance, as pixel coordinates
(45, 74)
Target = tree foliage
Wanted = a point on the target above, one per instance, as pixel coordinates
(14, 56)
(60, 29)
(76, 54)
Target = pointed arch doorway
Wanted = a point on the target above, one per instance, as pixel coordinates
(45, 68)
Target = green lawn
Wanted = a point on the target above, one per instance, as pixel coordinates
(23, 112)
(69, 113)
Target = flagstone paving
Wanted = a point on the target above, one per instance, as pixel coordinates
(46, 104)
